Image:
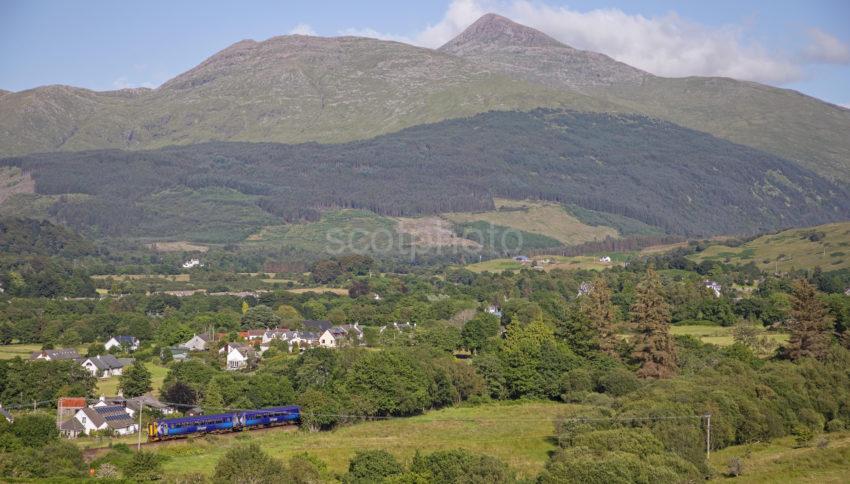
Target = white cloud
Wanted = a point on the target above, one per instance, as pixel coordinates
(302, 29)
(666, 45)
(826, 48)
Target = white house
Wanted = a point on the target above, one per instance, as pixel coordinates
(105, 366)
(494, 310)
(715, 287)
(114, 418)
(333, 338)
(192, 263)
(241, 357)
(129, 342)
(199, 342)
(56, 355)
(605, 259)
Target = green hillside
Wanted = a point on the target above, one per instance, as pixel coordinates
(825, 246)
(680, 181)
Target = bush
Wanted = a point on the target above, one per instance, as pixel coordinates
(372, 466)
(245, 464)
(144, 466)
(452, 466)
(835, 425)
(617, 382)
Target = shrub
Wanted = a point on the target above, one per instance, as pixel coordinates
(452, 466)
(248, 464)
(835, 425)
(144, 466)
(372, 466)
(617, 382)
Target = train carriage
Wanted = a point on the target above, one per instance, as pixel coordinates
(223, 422)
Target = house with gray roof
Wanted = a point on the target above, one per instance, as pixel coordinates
(130, 343)
(105, 366)
(112, 418)
(56, 355)
(198, 342)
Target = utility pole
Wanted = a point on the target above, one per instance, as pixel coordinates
(141, 408)
(707, 436)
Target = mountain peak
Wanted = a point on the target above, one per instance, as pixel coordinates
(492, 29)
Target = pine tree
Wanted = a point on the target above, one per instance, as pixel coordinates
(602, 315)
(654, 348)
(811, 325)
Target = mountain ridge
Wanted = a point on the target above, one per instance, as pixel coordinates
(294, 89)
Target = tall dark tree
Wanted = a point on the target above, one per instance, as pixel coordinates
(602, 315)
(654, 348)
(810, 323)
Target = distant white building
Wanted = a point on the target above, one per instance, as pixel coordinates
(129, 342)
(56, 355)
(605, 259)
(241, 357)
(715, 287)
(192, 263)
(105, 366)
(494, 310)
(199, 342)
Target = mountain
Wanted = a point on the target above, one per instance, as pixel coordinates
(522, 52)
(286, 89)
(297, 88)
(787, 123)
(680, 180)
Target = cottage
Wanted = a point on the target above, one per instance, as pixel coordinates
(131, 343)
(304, 339)
(355, 332)
(522, 259)
(56, 355)
(333, 337)
(192, 263)
(105, 366)
(115, 419)
(605, 259)
(241, 357)
(253, 334)
(71, 428)
(5, 413)
(199, 342)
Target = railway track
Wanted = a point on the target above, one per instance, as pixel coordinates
(93, 453)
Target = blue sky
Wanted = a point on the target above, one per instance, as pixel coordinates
(106, 44)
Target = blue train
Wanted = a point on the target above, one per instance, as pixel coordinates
(223, 422)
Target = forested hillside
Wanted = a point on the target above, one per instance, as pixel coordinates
(683, 181)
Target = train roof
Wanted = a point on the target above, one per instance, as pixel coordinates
(202, 418)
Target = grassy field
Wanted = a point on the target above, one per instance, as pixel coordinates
(547, 219)
(588, 262)
(781, 461)
(722, 336)
(7, 352)
(827, 246)
(109, 386)
(519, 434)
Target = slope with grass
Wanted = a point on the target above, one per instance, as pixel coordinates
(547, 219)
(677, 180)
(520, 434)
(825, 246)
(783, 460)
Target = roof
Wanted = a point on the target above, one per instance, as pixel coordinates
(72, 402)
(72, 425)
(115, 417)
(317, 325)
(6, 414)
(146, 400)
(106, 362)
(60, 354)
(124, 339)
